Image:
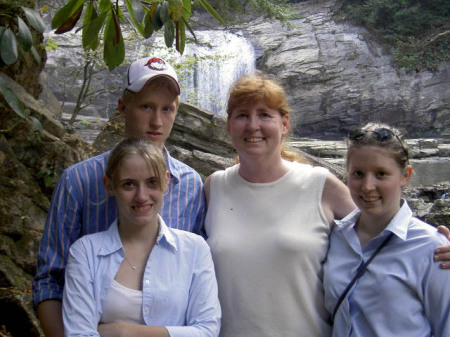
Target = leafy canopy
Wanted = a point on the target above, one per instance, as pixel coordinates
(103, 19)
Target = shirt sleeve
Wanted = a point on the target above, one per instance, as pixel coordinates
(203, 313)
(436, 295)
(79, 307)
(199, 200)
(201, 215)
(61, 230)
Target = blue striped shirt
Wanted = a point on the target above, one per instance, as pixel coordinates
(80, 206)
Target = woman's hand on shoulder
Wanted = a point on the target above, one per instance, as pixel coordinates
(442, 253)
(336, 199)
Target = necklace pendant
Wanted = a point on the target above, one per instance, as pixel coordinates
(134, 268)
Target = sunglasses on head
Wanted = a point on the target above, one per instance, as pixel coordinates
(380, 134)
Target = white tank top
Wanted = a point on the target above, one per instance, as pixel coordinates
(268, 242)
(122, 304)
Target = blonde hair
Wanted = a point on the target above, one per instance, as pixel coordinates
(143, 148)
(155, 84)
(256, 87)
(395, 145)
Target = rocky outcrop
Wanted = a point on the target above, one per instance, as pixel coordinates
(30, 164)
(338, 78)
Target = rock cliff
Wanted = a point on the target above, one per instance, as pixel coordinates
(339, 78)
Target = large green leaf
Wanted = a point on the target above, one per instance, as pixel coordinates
(25, 38)
(35, 54)
(169, 33)
(148, 26)
(34, 19)
(139, 25)
(88, 40)
(70, 22)
(187, 9)
(164, 12)
(137, 11)
(114, 51)
(211, 11)
(156, 19)
(11, 98)
(8, 47)
(104, 6)
(66, 13)
(93, 23)
(180, 36)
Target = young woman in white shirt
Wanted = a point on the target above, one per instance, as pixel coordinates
(140, 277)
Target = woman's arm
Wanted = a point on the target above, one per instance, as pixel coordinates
(125, 329)
(436, 298)
(79, 308)
(336, 199)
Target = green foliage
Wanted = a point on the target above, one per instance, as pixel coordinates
(279, 9)
(9, 51)
(49, 176)
(407, 26)
(103, 19)
(50, 44)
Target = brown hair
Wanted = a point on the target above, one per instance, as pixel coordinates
(141, 147)
(255, 87)
(395, 144)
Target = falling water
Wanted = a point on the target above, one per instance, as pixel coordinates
(220, 58)
(206, 70)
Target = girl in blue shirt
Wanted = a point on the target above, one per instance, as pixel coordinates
(403, 292)
(140, 277)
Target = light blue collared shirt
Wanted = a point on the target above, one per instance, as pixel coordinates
(80, 206)
(403, 292)
(179, 284)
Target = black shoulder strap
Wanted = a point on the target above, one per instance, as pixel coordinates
(360, 272)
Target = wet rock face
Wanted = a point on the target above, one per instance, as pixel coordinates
(337, 78)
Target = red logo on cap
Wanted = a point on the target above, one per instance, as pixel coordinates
(156, 64)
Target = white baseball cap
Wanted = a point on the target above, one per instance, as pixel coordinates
(140, 72)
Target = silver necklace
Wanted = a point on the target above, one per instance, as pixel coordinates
(133, 267)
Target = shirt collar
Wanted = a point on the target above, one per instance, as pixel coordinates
(171, 166)
(165, 235)
(111, 241)
(398, 225)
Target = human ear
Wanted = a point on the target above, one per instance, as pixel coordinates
(121, 107)
(108, 186)
(406, 175)
(285, 128)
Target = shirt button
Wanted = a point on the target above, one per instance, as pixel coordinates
(147, 282)
(146, 310)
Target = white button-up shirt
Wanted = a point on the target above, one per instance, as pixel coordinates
(179, 288)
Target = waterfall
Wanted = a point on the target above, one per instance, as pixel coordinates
(206, 70)
(220, 58)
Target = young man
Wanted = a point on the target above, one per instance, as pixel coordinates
(80, 204)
